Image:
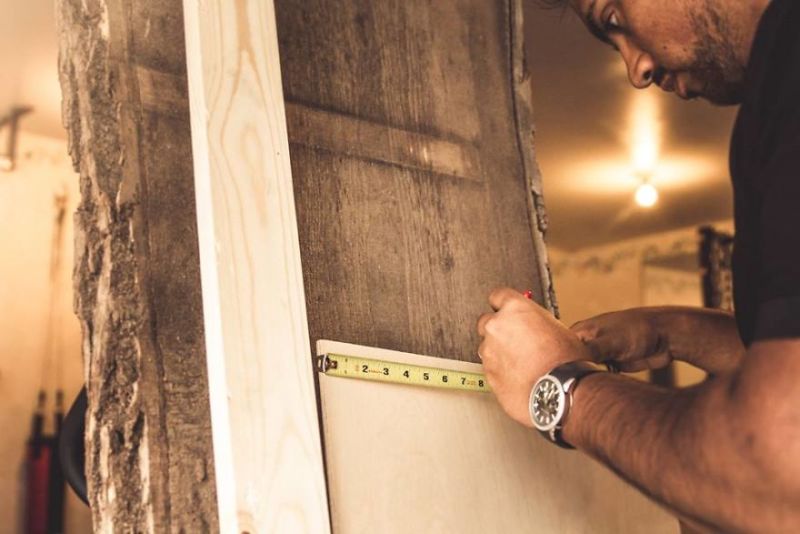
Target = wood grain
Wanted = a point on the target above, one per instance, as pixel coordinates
(412, 459)
(137, 280)
(162, 92)
(266, 436)
(399, 252)
(370, 141)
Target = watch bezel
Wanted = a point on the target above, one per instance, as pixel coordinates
(562, 403)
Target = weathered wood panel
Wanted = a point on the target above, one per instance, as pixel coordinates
(137, 284)
(268, 453)
(415, 181)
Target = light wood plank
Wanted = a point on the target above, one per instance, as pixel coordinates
(266, 440)
(412, 459)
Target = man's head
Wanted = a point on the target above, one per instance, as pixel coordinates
(692, 47)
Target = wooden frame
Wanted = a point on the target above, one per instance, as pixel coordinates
(267, 449)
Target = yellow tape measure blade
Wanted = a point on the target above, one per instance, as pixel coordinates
(345, 366)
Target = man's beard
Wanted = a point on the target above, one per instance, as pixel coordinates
(715, 64)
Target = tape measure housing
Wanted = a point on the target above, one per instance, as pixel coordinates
(345, 366)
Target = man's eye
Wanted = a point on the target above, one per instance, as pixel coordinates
(612, 23)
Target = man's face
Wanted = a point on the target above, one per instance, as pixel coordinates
(684, 46)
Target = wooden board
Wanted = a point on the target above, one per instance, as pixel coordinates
(406, 459)
(137, 280)
(267, 449)
(411, 148)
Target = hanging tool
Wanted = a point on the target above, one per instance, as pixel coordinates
(45, 482)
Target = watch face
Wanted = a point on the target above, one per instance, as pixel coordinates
(547, 403)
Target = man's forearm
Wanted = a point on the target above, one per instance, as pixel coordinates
(631, 427)
(691, 450)
(703, 337)
(640, 338)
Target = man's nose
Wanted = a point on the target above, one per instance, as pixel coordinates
(641, 68)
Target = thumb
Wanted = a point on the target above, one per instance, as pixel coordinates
(607, 347)
(585, 330)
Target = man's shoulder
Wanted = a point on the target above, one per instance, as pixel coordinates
(769, 118)
(773, 78)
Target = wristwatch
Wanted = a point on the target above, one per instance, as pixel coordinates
(551, 398)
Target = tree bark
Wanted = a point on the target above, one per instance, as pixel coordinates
(137, 286)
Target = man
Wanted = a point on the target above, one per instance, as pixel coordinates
(724, 455)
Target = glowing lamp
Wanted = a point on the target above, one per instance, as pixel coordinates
(646, 195)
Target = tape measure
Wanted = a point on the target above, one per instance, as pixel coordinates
(345, 366)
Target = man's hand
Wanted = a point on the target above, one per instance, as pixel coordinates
(522, 342)
(650, 338)
(629, 338)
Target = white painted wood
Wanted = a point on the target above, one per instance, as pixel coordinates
(267, 450)
(411, 459)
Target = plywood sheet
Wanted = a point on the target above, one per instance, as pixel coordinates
(411, 459)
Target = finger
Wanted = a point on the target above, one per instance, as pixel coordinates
(482, 323)
(485, 354)
(593, 325)
(604, 347)
(659, 361)
(632, 366)
(502, 296)
(585, 330)
(656, 361)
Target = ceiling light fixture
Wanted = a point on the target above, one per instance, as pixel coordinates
(646, 195)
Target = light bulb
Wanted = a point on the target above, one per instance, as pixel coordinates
(646, 195)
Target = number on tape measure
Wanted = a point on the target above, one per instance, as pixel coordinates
(383, 371)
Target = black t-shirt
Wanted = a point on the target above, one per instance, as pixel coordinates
(765, 169)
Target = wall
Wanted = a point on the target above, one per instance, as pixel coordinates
(626, 274)
(26, 227)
